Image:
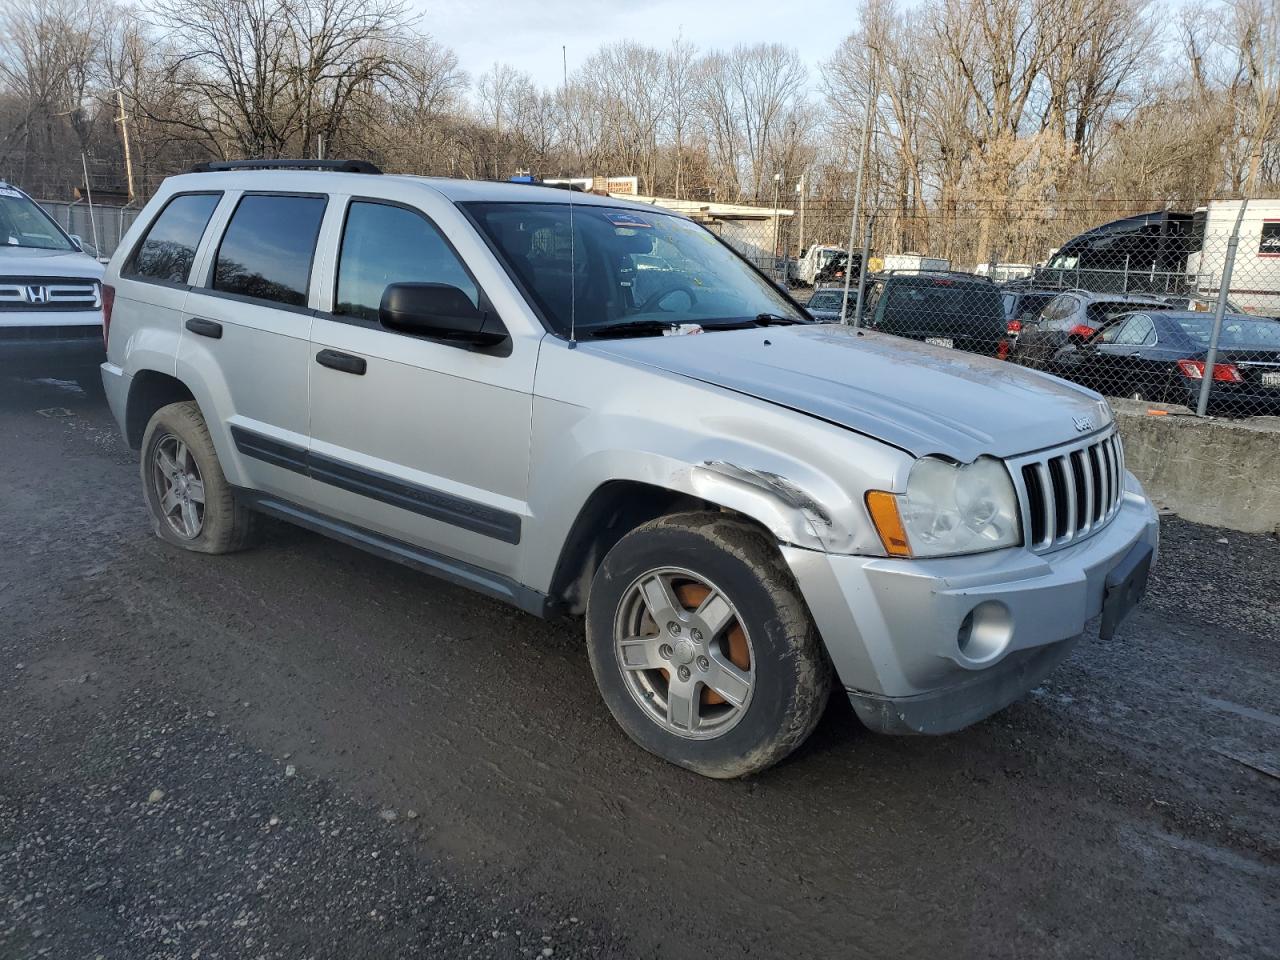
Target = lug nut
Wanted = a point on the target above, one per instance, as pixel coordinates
(673, 628)
(704, 664)
(697, 636)
(665, 651)
(684, 673)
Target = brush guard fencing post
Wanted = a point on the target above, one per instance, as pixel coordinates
(1219, 311)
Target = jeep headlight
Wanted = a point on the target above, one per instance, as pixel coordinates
(948, 509)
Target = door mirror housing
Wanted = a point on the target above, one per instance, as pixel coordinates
(439, 311)
(76, 241)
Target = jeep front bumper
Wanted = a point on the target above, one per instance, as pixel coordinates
(931, 646)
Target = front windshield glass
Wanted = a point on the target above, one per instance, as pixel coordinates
(1238, 333)
(619, 266)
(23, 224)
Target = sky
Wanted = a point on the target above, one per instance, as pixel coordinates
(529, 35)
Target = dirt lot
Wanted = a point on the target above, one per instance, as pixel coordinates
(303, 751)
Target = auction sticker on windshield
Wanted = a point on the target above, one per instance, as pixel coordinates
(622, 219)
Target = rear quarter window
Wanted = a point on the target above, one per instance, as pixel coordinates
(168, 249)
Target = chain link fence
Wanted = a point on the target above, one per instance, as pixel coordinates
(1178, 310)
(100, 229)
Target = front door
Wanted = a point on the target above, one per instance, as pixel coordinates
(418, 440)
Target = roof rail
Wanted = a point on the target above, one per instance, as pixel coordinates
(333, 166)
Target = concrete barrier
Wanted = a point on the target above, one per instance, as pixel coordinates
(1221, 472)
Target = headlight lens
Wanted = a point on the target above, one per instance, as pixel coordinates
(952, 508)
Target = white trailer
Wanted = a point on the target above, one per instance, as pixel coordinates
(915, 263)
(1255, 278)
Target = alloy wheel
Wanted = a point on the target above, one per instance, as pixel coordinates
(685, 653)
(178, 486)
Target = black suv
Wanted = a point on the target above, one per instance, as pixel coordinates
(1068, 320)
(957, 310)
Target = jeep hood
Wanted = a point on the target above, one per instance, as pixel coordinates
(34, 262)
(920, 398)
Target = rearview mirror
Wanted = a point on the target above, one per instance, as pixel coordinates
(439, 311)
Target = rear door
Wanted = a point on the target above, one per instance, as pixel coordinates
(246, 338)
(151, 290)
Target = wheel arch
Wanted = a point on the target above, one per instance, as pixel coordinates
(149, 391)
(614, 509)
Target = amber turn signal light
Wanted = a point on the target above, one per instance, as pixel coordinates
(883, 508)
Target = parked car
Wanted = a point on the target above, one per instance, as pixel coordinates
(1160, 356)
(454, 375)
(945, 309)
(50, 297)
(1069, 319)
(824, 303)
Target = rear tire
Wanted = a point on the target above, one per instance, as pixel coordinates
(191, 503)
(756, 684)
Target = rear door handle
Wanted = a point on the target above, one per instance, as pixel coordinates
(205, 328)
(344, 362)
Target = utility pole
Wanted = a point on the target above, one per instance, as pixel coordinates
(124, 136)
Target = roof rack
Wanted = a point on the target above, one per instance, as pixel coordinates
(333, 166)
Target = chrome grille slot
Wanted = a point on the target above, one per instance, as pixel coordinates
(1070, 492)
(49, 293)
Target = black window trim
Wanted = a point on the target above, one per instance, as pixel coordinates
(206, 288)
(137, 247)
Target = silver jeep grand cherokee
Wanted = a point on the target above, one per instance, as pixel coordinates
(586, 406)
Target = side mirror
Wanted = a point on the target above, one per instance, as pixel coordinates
(438, 311)
(77, 242)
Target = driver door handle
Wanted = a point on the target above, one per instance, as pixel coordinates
(342, 362)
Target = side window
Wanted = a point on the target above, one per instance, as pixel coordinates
(1136, 331)
(267, 250)
(169, 247)
(1114, 331)
(381, 245)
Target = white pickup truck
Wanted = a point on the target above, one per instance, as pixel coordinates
(812, 261)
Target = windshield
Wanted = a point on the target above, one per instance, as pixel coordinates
(23, 224)
(618, 266)
(1238, 333)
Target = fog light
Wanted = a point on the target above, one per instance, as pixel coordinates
(985, 632)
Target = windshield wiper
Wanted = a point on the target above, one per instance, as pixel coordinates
(633, 328)
(770, 319)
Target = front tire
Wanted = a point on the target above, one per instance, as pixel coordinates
(191, 503)
(702, 647)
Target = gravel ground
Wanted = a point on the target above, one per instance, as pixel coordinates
(302, 751)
